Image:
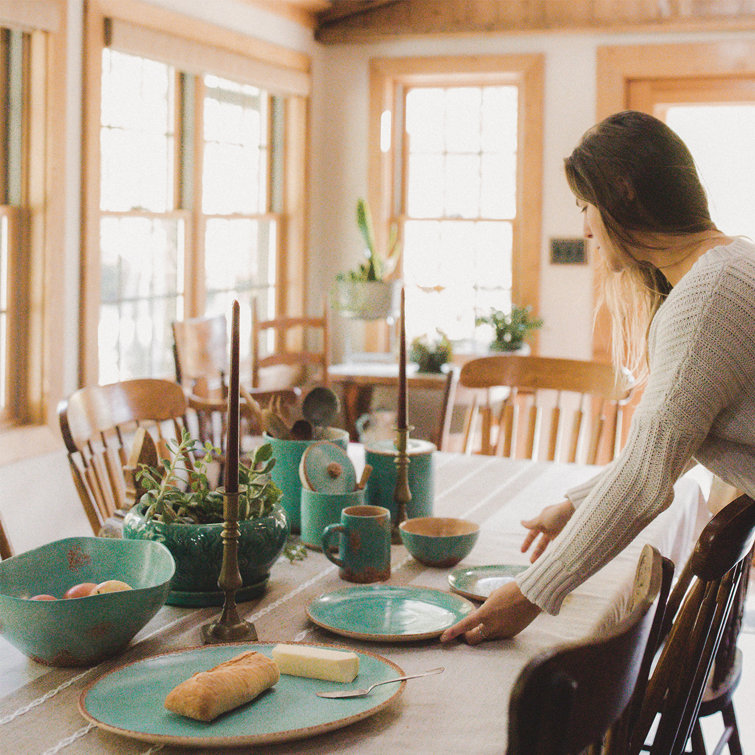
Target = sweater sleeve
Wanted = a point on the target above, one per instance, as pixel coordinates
(701, 348)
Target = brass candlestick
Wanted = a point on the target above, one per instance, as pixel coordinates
(402, 495)
(231, 627)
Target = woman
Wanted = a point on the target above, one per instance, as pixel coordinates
(682, 302)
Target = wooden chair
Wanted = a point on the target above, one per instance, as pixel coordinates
(280, 353)
(6, 551)
(709, 592)
(567, 698)
(555, 409)
(200, 350)
(97, 424)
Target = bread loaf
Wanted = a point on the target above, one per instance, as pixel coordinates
(207, 694)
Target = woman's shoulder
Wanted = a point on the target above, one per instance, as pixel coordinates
(727, 266)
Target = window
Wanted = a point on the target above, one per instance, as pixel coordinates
(188, 203)
(13, 84)
(32, 220)
(459, 164)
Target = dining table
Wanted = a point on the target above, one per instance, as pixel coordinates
(462, 709)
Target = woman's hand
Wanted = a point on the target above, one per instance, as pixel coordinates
(505, 613)
(547, 524)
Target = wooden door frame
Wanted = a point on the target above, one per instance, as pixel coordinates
(618, 65)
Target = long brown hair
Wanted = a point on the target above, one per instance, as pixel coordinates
(642, 179)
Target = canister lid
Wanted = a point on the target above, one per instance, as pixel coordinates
(414, 447)
(326, 468)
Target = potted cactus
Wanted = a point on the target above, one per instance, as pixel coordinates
(364, 293)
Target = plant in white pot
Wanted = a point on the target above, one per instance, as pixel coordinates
(510, 328)
(364, 293)
(181, 509)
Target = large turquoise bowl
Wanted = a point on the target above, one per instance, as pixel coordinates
(198, 553)
(81, 631)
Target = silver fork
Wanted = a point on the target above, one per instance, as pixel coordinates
(363, 692)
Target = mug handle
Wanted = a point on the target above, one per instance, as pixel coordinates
(327, 535)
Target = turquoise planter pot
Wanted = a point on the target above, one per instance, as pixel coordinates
(198, 552)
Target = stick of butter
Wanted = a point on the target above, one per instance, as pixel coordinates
(316, 663)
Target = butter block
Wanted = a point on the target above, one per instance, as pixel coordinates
(316, 663)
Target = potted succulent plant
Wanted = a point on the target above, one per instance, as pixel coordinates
(431, 354)
(364, 293)
(180, 508)
(511, 328)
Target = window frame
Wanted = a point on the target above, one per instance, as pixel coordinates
(290, 72)
(388, 79)
(36, 335)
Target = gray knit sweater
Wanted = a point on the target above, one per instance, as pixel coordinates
(699, 403)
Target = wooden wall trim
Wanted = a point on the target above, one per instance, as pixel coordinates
(460, 17)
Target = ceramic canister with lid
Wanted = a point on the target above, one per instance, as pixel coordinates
(285, 474)
(381, 456)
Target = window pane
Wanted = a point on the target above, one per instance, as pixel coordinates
(4, 251)
(236, 144)
(141, 293)
(461, 201)
(240, 264)
(454, 271)
(137, 136)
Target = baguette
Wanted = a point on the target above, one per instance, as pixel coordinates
(207, 694)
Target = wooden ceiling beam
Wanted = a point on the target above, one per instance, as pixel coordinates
(363, 21)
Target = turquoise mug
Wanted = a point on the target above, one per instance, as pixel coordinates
(381, 456)
(318, 510)
(364, 551)
(285, 473)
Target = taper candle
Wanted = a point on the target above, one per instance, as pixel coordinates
(232, 444)
(402, 419)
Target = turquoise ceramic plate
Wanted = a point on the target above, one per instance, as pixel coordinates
(385, 613)
(129, 701)
(477, 582)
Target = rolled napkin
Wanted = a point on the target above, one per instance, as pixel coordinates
(207, 694)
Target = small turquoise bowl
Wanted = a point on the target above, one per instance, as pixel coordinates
(439, 541)
(81, 631)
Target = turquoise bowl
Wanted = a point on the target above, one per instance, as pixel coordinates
(81, 631)
(439, 541)
(198, 553)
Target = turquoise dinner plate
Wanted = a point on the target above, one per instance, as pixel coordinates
(129, 701)
(385, 613)
(477, 582)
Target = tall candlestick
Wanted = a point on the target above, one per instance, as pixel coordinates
(232, 443)
(231, 627)
(402, 396)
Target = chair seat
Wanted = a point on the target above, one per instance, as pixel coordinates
(714, 699)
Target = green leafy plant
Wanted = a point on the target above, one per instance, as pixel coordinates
(431, 354)
(179, 490)
(376, 267)
(511, 328)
